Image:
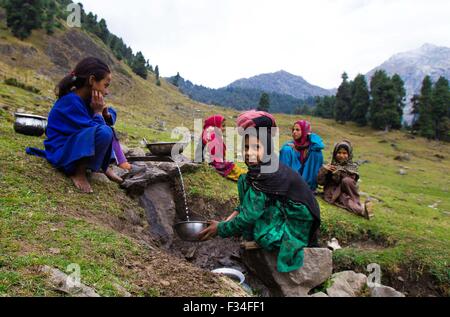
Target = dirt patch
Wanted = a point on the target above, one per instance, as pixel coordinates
(216, 253)
(367, 245)
(156, 273)
(407, 281)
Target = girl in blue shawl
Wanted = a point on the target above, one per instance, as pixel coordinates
(79, 133)
(304, 153)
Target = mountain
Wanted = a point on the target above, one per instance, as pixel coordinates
(413, 66)
(282, 82)
(240, 98)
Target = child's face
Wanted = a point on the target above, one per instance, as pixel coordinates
(102, 85)
(342, 155)
(254, 151)
(297, 132)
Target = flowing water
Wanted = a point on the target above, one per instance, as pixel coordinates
(184, 192)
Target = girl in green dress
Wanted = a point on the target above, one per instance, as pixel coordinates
(277, 210)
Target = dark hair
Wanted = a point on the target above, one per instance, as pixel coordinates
(90, 66)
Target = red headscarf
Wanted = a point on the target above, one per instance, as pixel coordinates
(215, 121)
(303, 144)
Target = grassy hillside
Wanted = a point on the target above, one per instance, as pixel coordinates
(43, 220)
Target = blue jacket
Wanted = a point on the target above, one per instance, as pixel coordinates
(314, 162)
(70, 132)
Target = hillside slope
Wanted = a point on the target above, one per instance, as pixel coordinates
(44, 221)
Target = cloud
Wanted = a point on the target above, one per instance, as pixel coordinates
(216, 42)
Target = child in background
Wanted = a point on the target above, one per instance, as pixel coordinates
(212, 140)
(340, 180)
(277, 210)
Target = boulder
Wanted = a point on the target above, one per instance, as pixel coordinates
(347, 284)
(384, 291)
(136, 152)
(403, 157)
(159, 206)
(172, 169)
(320, 294)
(99, 178)
(135, 185)
(317, 268)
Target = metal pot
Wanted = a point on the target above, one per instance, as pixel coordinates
(164, 148)
(29, 124)
(189, 230)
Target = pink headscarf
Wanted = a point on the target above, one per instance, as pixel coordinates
(246, 119)
(215, 121)
(304, 143)
(215, 142)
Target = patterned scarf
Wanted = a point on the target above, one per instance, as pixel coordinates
(347, 166)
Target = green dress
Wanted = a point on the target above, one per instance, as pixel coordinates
(272, 223)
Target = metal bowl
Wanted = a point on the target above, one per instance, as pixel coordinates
(29, 124)
(189, 230)
(165, 148)
(231, 273)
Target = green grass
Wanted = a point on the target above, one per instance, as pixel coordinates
(40, 212)
(34, 198)
(412, 237)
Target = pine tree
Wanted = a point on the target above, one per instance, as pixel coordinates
(23, 16)
(264, 102)
(440, 108)
(360, 100)
(139, 65)
(102, 31)
(425, 108)
(157, 75)
(415, 112)
(343, 101)
(49, 19)
(383, 109)
(324, 107)
(400, 94)
(149, 66)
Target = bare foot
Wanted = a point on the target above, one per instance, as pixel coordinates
(80, 181)
(113, 177)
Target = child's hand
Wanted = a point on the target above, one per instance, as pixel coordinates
(330, 168)
(209, 232)
(97, 102)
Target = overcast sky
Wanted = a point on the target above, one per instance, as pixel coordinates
(214, 42)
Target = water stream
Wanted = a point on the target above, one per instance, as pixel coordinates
(184, 192)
